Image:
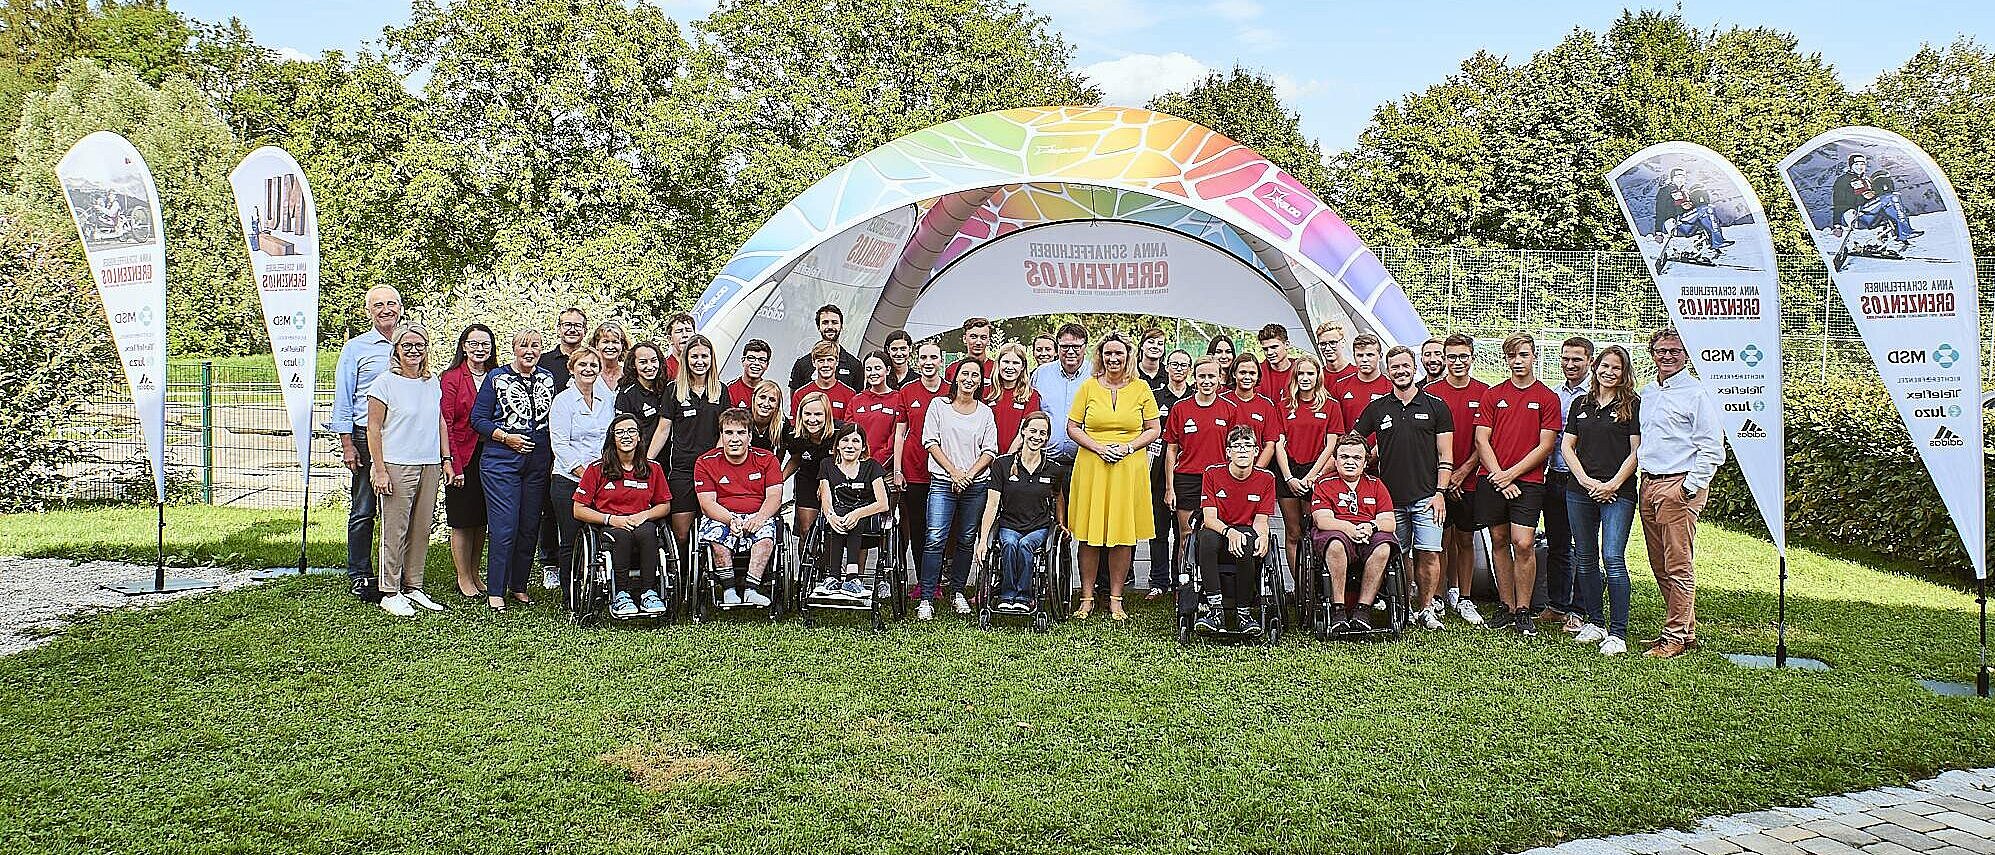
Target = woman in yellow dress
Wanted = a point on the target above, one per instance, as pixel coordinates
(1113, 420)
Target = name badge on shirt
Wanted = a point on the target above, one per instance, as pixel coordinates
(635, 485)
(1531, 405)
(688, 413)
(754, 476)
(1421, 416)
(1322, 416)
(1370, 501)
(1045, 480)
(1257, 417)
(1251, 497)
(1018, 405)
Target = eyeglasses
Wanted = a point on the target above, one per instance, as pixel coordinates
(414, 347)
(1458, 357)
(1247, 445)
(1671, 351)
(1071, 346)
(572, 325)
(626, 432)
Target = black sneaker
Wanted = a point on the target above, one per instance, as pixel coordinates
(1244, 619)
(1523, 624)
(1213, 621)
(1340, 619)
(1361, 621)
(1499, 618)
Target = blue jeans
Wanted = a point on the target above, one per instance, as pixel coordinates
(1019, 550)
(1886, 207)
(1600, 541)
(1701, 220)
(361, 511)
(950, 513)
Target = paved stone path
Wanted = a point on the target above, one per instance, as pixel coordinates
(1953, 814)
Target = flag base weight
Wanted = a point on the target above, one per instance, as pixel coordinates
(269, 573)
(139, 588)
(1797, 663)
(1952, 690)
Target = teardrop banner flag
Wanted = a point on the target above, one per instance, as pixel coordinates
(1891, 231)
(116, 207)
(281, 224)
(1703, 233)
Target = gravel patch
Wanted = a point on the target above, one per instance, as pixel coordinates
(38, 596)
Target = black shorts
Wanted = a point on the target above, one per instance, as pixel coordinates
(1190, 490)
(1461, 512)
(804, 495)
(1491, 509)
(1296, 468)
(464, 507)
(683, 499)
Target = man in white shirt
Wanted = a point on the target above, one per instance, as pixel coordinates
(1682, 447)
(361, 361)
(1058, 382)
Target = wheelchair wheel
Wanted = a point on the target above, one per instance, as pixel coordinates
(699, 580)
(1184, 629)
(585, 588)
(1273, 603)
(1398, 599)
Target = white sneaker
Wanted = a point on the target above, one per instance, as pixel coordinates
(1466, 610)
(754, 598)
(398, 606)
(422, 600)
(925, 610)
(856, 589)
(1613, 646)
(730, 597)
(830, 587)
(961, 605)
(1430, 617)
(550, 578)
(1590, 634)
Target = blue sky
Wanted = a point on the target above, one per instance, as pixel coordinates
(1334, 61)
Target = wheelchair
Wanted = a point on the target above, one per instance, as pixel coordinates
(1052, 584)
(1395, 597)
(593, 587)
(887, 581)
(1271, 605)
(778, 581)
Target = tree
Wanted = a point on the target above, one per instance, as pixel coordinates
(1243, 105)
(1938, 99)
(1418, 173)
(211, 307)
(38, 36)
(57, 349)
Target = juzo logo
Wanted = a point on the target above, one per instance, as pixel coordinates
(1751, 355)
(1946, 438)
(1751, 430)
(1945, 355)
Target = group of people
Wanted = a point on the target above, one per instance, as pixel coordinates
(1360, 453)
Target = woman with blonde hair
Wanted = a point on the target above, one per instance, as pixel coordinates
(1303, 450)
(409, 444)
(807, 443)
(1011, 396)
(693, 404)
(765, 415)
(611, 344)
(1113, 420)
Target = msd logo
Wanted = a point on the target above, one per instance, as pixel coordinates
(1285, 202)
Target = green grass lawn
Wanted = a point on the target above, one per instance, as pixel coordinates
(288, 718)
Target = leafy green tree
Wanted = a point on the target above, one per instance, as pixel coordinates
(1242, 104)
(1938, 99)
(56, 350)
(211, 307)
(38, 36)
(1418, 172)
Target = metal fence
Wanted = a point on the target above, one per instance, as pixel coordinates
(229, 443)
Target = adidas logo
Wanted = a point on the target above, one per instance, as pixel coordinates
(1946, 438)
(1751, 430)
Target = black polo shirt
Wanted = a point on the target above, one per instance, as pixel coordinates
(1602, 442)
(850, 372)
(1408, 459)
(1025, 497)
(695, 428)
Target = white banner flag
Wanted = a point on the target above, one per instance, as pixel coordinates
(1890, 229)
(116, 207)
(281, 223)
(1703, 233)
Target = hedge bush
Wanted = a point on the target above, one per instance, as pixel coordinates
(1854, 477)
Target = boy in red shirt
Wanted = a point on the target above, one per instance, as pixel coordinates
(1236, 500)
(754, 363)
(824, 378)
(1463, 395)
(740, 488)
(1518, 423)
(1354, 520)
(1367, 383)
(910, 469)
(976, 346)
(1195, 439)
(1278, 367)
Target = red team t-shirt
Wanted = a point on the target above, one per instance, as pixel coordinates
(1353, 503)
(1347, 372)
(1258, 413)
(1010, 413)
(737, 486)
(1309, 431)
(1514, 417)
(1199, 432)
(1238, 500)
(622, 496)
(1274, 382)
(875, 413)
(914, 411)
(741, 393)
(839, 395)
(1354, 394)
(1463, 405)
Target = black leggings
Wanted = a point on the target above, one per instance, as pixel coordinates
(1239, 579)
(850, 545)
(639, 546)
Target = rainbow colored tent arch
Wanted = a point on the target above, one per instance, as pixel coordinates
(876, 236)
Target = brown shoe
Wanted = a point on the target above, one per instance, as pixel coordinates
(1551, 615)
(1666, 650)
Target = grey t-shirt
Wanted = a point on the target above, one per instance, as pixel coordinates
(961, 437)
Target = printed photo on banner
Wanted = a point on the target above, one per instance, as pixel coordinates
(280, 224)
(1682, 204)
(113, 210)
(1870, 204)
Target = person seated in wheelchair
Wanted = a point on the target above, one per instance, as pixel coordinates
(852, 493)
(740, 489)
(624, 494)
(1236, 500)
(1354, 519)
(1028, 496)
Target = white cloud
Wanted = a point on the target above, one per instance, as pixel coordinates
(291, 54)
(1259, 38)
(1288, 89)
(1236, 10)
(1134, 79)
(1097, 19)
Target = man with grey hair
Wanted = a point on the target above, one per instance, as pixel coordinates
(1683, 445)
(361, 360)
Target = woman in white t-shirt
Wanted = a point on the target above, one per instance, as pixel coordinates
(408, 442)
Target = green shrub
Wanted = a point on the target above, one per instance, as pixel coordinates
(56, 351)
(1854, 478)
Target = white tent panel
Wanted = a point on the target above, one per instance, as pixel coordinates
(848, 271)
